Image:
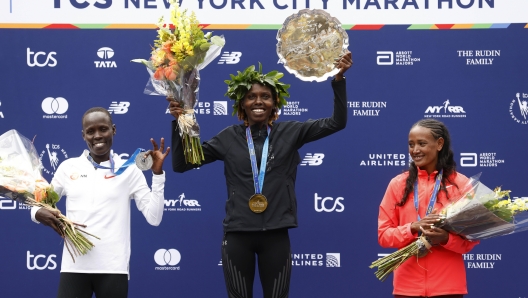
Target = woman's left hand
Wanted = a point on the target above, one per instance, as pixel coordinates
(436, 235)
(157, 156)
(343, 63)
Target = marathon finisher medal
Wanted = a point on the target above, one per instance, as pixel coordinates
(143, 163)
(258, 203)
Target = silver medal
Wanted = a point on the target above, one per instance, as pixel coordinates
(143, 163)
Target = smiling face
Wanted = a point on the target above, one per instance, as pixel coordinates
(258, 104)
(98, 132)
(424, 148)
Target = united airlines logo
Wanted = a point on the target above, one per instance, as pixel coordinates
(230, 58)
(119, 108)
(182, 204)
(330, 259)
(333, 259)
(219, 107)
(519, 108)
(446, 110)
(310, 159)
(55, 108)
(105, 53)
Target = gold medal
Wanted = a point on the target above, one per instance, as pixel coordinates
(258, 203)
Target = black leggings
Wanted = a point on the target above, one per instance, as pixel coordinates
(274, 263)
(83, 285)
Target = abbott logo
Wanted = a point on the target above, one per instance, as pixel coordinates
(468, 159)
(32, 262)
(220, 108)
(385, 57)
(320, 204)
(315, 159)
(32, 59)
(7, 204)
(164, 257)
(230, 58)
(52, 105)
(118, 108)
(333, 259)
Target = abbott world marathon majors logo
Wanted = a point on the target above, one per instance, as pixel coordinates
(446, 110)
(366, 108)
(401, 58)
(519, 108)
(182, 204)
(384, 160)
(218, 108)
(167, 259)
(55, 108)
(482, 159)
(51, 157)
(330, 259)
(105, 53)
(293, 108)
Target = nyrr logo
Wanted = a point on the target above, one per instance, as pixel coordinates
(55, 108)
(385, 57)
(105, 53)
(230, 58)
(54, 159)
(445, 111)
(519, 108)
(170, 257)
(219, 107)
(32, 262)
(182, 204)
(310, 159)
(321, 204)
(33, 59)
(119, 108)
(333, 259)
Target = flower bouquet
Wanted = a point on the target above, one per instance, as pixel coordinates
(181, 50)
(480, 213)
(21, 180)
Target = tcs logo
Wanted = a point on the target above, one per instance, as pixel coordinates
(33, 59)
(32, 262)
(322, 205)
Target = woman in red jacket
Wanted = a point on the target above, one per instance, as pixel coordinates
(430, 183)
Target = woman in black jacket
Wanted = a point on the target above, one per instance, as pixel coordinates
(261, 205)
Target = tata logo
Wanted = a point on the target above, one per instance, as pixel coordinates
(385, 57)
(468, 159)
(33, 262)
(105, 53)
(164, 257)
(34, 60)
(325, 204)
(230, 58)
(310, 159)
(119, 108)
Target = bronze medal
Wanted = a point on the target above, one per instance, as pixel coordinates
(258, 203)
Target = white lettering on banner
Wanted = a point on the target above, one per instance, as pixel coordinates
(268, 12)
(470, 54)
(183, 204)
(384, 160)
(33, 59)
(32, 262)
(445, 111)
(119, 108)
(315, 159)
(230, 58)
(486, 159)
(482, 261)
(316, 260)
(323, 201)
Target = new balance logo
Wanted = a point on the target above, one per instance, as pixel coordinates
(118, 108)
(315, 159)
(230, 58)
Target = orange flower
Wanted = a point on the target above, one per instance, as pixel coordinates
(158, 75)
(170, 74)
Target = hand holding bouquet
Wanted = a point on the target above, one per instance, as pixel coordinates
(21, 180)
(478, 214)
(181, 50)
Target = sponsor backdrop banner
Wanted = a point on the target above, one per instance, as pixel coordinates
(473, 80)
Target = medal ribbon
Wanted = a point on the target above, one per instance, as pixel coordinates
(258, 178)
(432, 201)
(122, 168)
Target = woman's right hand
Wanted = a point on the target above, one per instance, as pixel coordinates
(425, 223)
(50, 218)
(174, 107)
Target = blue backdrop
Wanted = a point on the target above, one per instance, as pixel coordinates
(467, 78)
